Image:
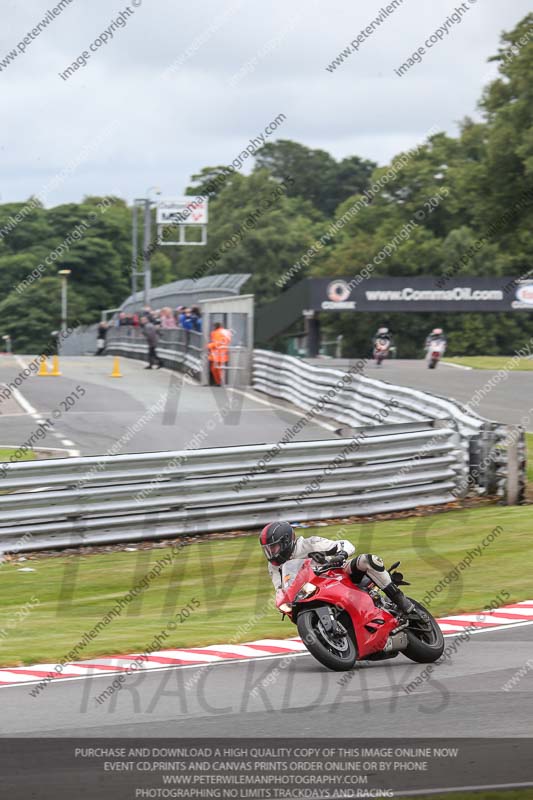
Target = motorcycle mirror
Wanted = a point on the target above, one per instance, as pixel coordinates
(395, 565)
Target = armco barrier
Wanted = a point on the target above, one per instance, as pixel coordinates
(496, 452)
(121, 498)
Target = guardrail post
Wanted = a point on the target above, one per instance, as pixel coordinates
(512, 484)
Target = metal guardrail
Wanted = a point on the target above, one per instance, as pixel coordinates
(360, 401)
(82, 501)
(176, 347)
(495, 467)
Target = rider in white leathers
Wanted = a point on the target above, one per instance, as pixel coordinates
(302, 548)
(280, 544)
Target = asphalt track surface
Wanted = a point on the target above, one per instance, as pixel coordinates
(508, 401)
(110, 406)
(463, 697)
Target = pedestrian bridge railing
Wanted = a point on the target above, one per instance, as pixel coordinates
(178, 348)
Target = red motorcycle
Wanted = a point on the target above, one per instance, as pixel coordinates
(341, 623)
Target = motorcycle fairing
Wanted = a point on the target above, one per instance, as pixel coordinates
(372, 626)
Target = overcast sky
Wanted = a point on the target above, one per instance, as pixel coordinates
(177, 87)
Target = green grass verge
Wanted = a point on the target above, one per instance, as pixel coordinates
(529, 442)
(229, 579)
(492, 362)
(6, 452)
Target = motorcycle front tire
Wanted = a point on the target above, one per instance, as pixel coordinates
(311, 637)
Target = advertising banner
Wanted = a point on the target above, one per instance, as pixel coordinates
(421, 294)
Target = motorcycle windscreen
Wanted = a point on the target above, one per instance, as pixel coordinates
(289, 571)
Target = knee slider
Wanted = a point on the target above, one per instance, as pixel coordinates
(375, 562)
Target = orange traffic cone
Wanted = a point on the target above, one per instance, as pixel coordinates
(55, 367)
(116, 369)
(43, 369)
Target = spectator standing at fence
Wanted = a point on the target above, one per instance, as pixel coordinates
(187, 323)
(101, 336)
(196, 319)
(186, 320)
(167, 319)
(148, 313)
(151, 335)
(218, 349)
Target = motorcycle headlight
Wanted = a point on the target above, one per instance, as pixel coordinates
(285, 608)
(307, 590)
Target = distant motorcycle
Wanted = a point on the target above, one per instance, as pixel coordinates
(381, 350)
(341, 623)
(435, 351)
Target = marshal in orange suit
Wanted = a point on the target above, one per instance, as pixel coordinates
(218, 351)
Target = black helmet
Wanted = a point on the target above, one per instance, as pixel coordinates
(278, 541)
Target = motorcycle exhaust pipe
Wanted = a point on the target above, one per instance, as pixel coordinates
(396, 642)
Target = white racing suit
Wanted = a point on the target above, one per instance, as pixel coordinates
(357, 567)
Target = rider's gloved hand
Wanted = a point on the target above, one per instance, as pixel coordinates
(338, 559)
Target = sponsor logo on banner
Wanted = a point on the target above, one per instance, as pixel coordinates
(524, 296)
(338, 293)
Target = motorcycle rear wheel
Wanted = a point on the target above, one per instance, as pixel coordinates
(336, 653)
(426, 642)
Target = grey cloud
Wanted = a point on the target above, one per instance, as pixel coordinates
(169, 127)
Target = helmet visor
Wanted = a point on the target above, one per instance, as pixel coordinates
(271, 550)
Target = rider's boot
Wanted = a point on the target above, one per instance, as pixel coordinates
(398, 598)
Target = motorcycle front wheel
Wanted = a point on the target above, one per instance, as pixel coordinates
(337, 652)
(426, 642)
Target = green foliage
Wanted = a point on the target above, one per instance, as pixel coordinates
(317, 176)
(256, 226)
(91, 238)
(31, 317)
